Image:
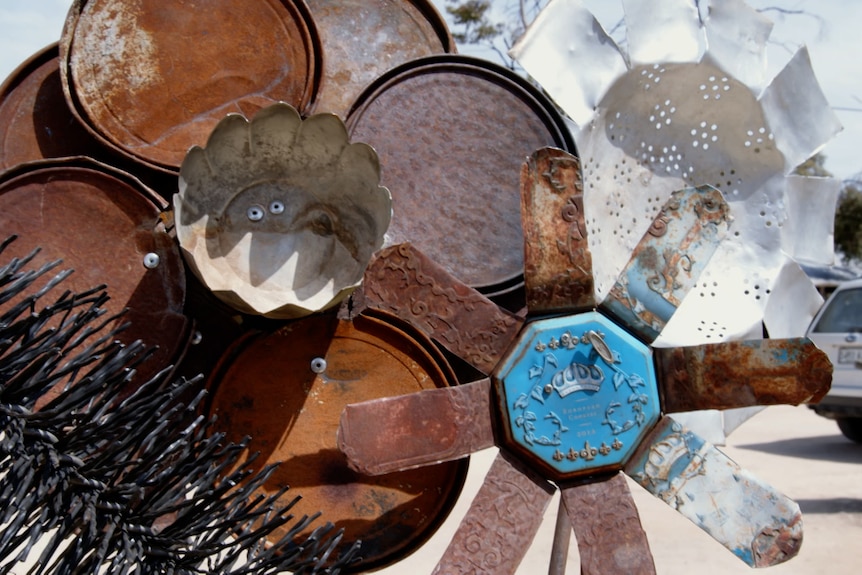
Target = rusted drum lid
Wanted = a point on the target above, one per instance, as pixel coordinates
(362, 39)
(267, 387)
(153, 77)
(103, 224)
(452, 132)
(35, 121)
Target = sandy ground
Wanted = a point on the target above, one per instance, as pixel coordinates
(799, 453)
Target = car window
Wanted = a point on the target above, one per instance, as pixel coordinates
(842, 314)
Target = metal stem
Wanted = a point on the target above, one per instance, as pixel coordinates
(562, 534)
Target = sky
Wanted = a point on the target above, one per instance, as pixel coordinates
(832, 30)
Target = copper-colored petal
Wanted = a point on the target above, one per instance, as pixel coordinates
(741, 374)
(668, 260)
(749, 517)
(397, 433)
(403, 281)
(500, 525)
(611, 541)
(558, 265)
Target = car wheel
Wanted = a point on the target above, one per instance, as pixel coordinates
(851, 427)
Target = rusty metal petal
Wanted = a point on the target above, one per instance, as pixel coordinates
(667, 262)
(403, 281)
(35, 121)
(611, 540)
(108, 227)
(390, 34)
(558, 266)
(152, 78)
(742, 374)
(756, 523)
(287, 389)
(399, 433)
(500, 525)
(451, 132)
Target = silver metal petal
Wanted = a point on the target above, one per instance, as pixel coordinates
(808, 234)
(662, 31)
(736, 34)
(793, 303)
(797, 111)
(569, 53)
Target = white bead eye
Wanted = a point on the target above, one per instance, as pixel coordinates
(151, 260)
(276, 207)
(318, 365)
(255, 213)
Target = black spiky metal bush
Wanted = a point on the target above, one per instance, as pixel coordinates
(95, 478)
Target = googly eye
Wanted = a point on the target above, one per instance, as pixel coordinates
(318, 365)
(151, 260)
(255, 213)
(276, 207)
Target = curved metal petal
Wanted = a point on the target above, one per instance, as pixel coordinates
(558, 266)
(397, 433)
(610, 542)
(404, 281)
(742, 374)
(668, 260)
(501, 523)
(749, 517)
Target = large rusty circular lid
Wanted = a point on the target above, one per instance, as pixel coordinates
(287, 389)
(153, 77)
(35, 121)
(451, 133)
(105, 226)
(362, 39)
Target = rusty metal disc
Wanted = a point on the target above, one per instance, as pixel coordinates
(35, 121)
(153, 77)
(362, 39)
(105, 226)
(287, 389)
(452, 132)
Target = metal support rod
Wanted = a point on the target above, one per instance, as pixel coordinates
(562, 535)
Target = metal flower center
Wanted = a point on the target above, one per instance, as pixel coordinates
(576, 394)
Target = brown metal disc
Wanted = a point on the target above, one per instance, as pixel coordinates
(102, 224)
(362, 39)
(266, 387)
(35, 121)
(153, 77)
(451, 133)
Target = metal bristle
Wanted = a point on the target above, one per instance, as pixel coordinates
(119, 478)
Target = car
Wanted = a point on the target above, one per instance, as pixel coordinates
(837, 330)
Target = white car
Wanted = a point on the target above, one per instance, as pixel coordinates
(837, 330)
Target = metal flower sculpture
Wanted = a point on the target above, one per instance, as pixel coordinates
(577, 393)
(685, 106)
(280, 216)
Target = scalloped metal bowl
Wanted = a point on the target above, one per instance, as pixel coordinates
(279, 216)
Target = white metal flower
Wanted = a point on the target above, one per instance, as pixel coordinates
(280, 216)
(686, 105)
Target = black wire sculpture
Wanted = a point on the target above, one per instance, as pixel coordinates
(126, 479)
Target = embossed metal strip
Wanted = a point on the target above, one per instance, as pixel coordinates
(667, 261)
(749, 517)
(611, 541)
(500, 525)
(741, 374)
(407, 431)
(557, 261)
(405, 282)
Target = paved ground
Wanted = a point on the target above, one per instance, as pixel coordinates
(798, 452)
